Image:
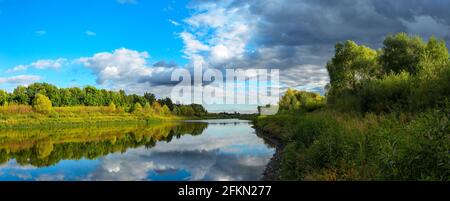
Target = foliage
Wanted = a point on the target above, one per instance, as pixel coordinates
(3, 97)
(386, 117)
(42, 104)
(325, 145)
(351, 64)
(408, 75)
(91, 96)
(137, 107)
(296, 100)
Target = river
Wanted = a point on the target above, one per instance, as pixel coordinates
(212, 150)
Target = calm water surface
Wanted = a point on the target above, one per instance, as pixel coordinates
(193, 150)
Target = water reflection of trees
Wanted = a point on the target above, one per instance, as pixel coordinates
(47, 147)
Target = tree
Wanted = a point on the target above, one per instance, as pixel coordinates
(20, 95)
(156, 107)
(112, 106)
(289, 101)
(165, 110)
(167, 101)
(294, 100)
(42, 104)
(402, 52)
(3, 97)
(147, 108)
(350, 64)
(137, 107)
(149, 97)
(199, 110)
(435, 58)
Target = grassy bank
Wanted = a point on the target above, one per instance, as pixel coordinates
(14, 116)
(330, 145)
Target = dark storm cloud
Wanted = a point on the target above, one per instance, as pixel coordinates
(302, 34)
(296, 36)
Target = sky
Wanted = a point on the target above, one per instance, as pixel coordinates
(136, 44)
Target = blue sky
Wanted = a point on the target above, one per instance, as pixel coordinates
(136, 44)
(50, 29)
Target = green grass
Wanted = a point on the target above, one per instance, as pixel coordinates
(331, 145)
(15, 116)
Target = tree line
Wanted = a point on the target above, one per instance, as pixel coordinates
(91, 96)
(406, 74)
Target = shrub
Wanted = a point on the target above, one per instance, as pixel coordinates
(42, 104)
(112, 107)
(391, 93)
(137, 107)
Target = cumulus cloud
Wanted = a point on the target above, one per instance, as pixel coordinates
(127, 69)
(49, 63)
(20, 79)
(40, 64)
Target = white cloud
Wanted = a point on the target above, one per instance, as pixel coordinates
(175, 23)
(123, 66)
(20, 79)
(225, 31)
(126, 69)
(17, 69)
(191, 44)
(49, 63)
(40, 64)
(90, 33)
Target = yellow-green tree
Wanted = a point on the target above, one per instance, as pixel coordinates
(137, 107)
(351, 64)
(157, 107)
(165, 110)
(3, 97)
(148, 109)
(42, 104)
(112, 107)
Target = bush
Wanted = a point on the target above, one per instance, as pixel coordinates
(391, 93)
(294, 100)
(42, 104)
(137, 107)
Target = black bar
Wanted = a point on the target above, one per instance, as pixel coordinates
(278, 190)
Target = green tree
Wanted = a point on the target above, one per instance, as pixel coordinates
(137, 107)
(147, 108)
(351, 64)
(156, 107)
(149, 97)
(20, 95)
(165, 110)
(112, 107)
(4, 97)
(42, 104)
(402, 52)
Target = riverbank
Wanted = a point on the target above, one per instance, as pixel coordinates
(25, 117)
(272, 171)
(330, 145)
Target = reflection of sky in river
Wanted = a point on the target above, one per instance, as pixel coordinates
(222, 152)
